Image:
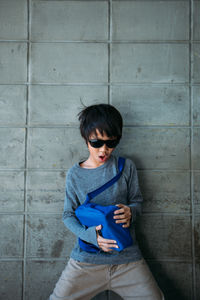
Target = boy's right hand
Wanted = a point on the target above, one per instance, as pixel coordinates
(105, 244)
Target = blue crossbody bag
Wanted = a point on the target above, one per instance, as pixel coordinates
(91, 214)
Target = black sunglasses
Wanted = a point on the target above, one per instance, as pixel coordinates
(99, 143)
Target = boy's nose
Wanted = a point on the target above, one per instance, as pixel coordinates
(104, 147)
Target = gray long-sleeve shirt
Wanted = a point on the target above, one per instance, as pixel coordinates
(79, 182)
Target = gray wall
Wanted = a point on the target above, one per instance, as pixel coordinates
(144, 58)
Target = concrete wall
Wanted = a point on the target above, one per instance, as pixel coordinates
(144, 58)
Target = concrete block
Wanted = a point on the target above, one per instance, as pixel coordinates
(61, 104)
(196, 20)
(13, 20)
(165, 236)
(12, 105)
(156, 148)
(196, 147)
(139, 63)
(55, 148)
(13, 62)
(68, 62)
(45, 191)
(11, 235)
(196, 103)
(165, 191)
(48, 237)
(152, 105)
(196, 189)
(49, 273)
(174, 278)
(12, 145)
(164, 20)
(11, 280)
(69, 20)
(198, 280)
(197, 237)
(11, 191)
(196, 71)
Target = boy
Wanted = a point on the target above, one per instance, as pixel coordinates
(124, 272)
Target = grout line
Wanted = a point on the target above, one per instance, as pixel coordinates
(45, 213)
(64, 126)
(133, 84)
(26, 151)
(66, 169)
(114, 0)
(191, 148)
(63, 258)
(110, 50)
(160, 42)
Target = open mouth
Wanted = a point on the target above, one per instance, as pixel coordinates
(103, 157)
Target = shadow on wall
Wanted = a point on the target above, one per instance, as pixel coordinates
(166, 273)
(107, 295)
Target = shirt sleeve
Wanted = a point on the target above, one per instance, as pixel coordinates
(69, 218)
(134, 194)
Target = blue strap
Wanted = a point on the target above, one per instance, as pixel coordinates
(94, 193)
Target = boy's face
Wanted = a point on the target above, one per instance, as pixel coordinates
(99, 155)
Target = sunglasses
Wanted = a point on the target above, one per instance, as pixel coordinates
(99, 143)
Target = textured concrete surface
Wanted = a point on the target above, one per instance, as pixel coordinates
(13, 19)
(13, 62)
(60, 98)
(196, 156)
(166, 191)
(174, 242)
(196, 72)
(196, 111)
(71, 63)
(12, 147)
(157, 148)
(48, 237)
(12, 105)
(45, 191)
(11, 279)
(196, 20)
(145, 63)
(197, 192)
(73, 23)
(144, 58)
(175, 278)
(153, 105)
(164, 20)
(11, 235)
(11, 191)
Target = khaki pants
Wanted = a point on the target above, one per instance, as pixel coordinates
(82, 281)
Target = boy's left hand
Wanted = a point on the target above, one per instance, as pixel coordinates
(123, 215)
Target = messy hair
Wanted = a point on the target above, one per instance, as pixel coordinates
(104, 117)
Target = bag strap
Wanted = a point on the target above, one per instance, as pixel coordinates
(96, 192)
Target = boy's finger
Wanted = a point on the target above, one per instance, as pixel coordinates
(119, 216)
(102, 240)
(126, 225)
(98, 227)
(105, 245)
(106, 250)
(121, 221)
(120, 205)
(119, 211)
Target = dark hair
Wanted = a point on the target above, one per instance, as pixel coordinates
(104, 117)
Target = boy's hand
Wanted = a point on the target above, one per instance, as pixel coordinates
(123, 215)
(105, 244)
